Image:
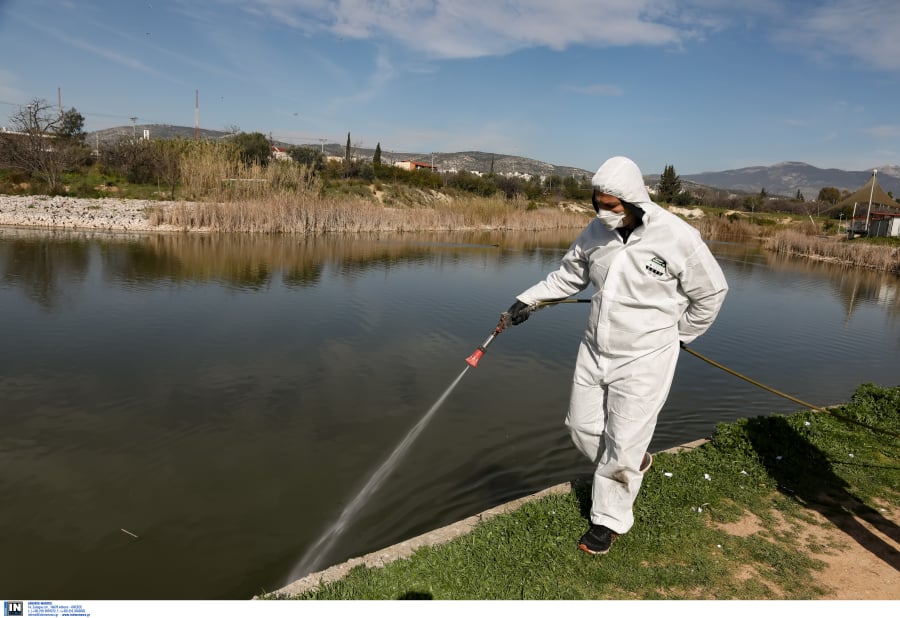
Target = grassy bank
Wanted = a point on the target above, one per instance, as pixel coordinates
(773, 470)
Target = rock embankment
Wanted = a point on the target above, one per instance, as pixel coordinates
(80, 213)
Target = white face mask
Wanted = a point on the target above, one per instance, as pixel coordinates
(610, 219)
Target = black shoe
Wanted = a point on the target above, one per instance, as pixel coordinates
(646, 462)
(597, 540)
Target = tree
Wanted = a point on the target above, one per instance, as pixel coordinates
(799, 197)
(305, 155)
(376, 158)
(669, 185)
(36, 145)
(168, 154)
(829, 194)
(574, 190)
(136, 161)
(253, 148)
(71, 126)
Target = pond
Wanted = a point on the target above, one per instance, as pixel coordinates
(182, 416)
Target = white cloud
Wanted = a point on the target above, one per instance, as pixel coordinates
(457, 29)
(378, 80)
(884, 131)
(863, 29)
(448, 29)
(106, 53)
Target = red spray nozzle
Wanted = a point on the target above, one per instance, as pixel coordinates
(475, 357)
(477, 354)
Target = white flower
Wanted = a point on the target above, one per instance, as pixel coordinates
(707, 477)
(852, 455)
(807, 423)
(744, 472)
(778, 458)
(668, 474)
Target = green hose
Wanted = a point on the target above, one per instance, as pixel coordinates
(545, 303)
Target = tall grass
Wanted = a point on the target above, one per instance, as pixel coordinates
(737, 227)
(839, 250)
(304, 212)
(214, 172)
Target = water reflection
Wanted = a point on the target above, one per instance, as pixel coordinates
(36, 261)
(853, 286)
(42, 266)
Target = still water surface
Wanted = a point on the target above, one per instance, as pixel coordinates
(223, 398)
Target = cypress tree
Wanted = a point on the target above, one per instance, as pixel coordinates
(669, 185)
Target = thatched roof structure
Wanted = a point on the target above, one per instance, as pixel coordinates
(861, 196)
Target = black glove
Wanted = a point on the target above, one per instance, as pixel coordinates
(518, 312)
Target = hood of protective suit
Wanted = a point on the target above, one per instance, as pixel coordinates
(621, 177)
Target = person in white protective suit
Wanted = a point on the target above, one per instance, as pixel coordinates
(657, 285)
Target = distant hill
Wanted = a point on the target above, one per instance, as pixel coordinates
(786, 178)
(779, 179)
(157, 131)
(472, 161)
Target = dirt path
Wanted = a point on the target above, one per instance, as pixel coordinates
(862, 559)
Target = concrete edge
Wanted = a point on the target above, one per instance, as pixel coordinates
(436, 537)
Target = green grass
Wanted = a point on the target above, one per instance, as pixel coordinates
(774, 467)
(890, 241)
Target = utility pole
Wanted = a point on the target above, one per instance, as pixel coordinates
(196, 114)
(871, 193)
(133, 129)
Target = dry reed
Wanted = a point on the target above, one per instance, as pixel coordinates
(838, 250)
(301, 212)
(724, 228)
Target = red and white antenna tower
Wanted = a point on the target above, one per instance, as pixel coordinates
(196, 114)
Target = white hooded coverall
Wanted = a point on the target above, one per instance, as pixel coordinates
(660, 287)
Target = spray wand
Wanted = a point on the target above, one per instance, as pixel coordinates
(505, 321)
(479, 352)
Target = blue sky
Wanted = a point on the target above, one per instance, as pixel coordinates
(704, 85)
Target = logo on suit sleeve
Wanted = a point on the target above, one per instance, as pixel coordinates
(656, 267)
